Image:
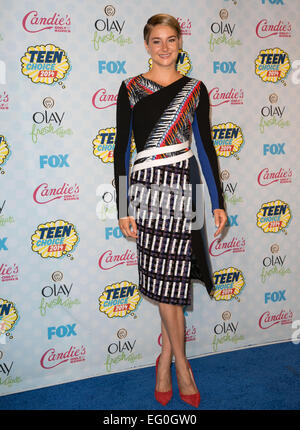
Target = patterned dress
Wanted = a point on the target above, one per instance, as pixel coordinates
(160, 191)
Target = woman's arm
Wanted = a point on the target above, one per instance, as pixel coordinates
(122, 150)
(208, 158)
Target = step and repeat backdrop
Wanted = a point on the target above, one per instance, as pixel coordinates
(69, 301)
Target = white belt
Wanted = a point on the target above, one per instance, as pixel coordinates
(162, 161)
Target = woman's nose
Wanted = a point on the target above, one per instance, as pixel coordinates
(164, 46)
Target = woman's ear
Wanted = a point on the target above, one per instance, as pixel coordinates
(146, 47)
(180, 42)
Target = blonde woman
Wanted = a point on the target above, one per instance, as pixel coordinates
(162, 109)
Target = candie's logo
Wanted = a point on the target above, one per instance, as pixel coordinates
(34, 23)
(44, 193)
(45, 64)
(227, 138)
(219, 97)
(8, 316)
(272, 65)
(54, 239)
(109, 259)
(268, 319)
(273, 216)
(51, 358)
(103, 100)
(266, 29)
(119, 299)
(267, 177)
(103, 144)
(228, 283)
(220, 247)
(4, 151)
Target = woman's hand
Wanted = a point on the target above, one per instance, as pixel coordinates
(124, 224)
(220, 220)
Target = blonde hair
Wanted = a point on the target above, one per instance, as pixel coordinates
(162, 19)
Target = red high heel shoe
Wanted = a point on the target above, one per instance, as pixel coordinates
(191, 399)
(162, 397)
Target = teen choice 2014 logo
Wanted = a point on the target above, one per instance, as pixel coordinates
(273, 216)
(8, 316)
(183, 64)
(54, 239)
(103, 144)
(45, 64)
(4, 151)
(119, 299)
(227, 138)
(228, 283)
(272, 65)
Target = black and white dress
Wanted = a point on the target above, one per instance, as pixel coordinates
(160, 190)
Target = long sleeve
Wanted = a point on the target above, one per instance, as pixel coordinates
(122, 150)
(206, 151)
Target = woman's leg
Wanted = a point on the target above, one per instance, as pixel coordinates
(173, 326)
(164, 380)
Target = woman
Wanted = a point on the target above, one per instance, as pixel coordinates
(162, 108)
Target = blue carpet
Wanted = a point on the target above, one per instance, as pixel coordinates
(260, 378)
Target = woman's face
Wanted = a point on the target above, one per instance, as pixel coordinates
(163, 45)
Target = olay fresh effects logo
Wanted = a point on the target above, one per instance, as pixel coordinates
(48, 122)
(121, 350)
(106, 208)
(229, 189)
(222, 32)
(273, 216)
(272, 115)
(266, 29)
(109, 29)
(274, 264)
(45, 64)
(226, 331)
(267, 177)
(228, 139)
(33, 22)
(4, 99)
(219, 247)
(228, 284)
(7, 378)
(54, 239)
(109, 259)
(4, 217)
(51, 358)
(45, 193)
(119, 299)
(272, 65)
(57, 294)
(5, 152)
(269, 319)
(219, 97)
(104, 143)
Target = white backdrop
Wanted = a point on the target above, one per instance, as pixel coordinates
(69, 306)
